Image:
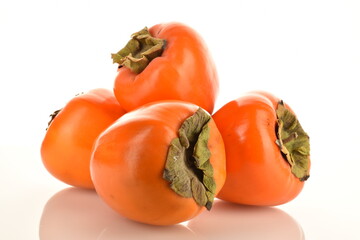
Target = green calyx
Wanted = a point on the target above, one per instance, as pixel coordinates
(141, 49)
(293, 142)
(188, 168)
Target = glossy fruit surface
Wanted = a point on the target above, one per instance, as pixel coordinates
(133, 160)
(267, 151)
(67, 145)
(182, 69)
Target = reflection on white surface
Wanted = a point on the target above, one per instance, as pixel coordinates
(231, 221)
(75, 214)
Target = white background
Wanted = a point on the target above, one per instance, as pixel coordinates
(306, 52)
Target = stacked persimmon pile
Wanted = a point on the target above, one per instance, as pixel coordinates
(154, 152)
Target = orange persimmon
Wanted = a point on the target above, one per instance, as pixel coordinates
(160, 164)
(67, 145)
(267, 151)
(165, 62)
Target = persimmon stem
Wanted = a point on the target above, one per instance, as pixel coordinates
(141, 49)
(291, 137)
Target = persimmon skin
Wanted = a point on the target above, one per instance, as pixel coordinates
(257, 172)
(185, 71)
(129, 159)
(67, 146)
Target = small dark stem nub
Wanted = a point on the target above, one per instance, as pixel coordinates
(52, 117)
(292, 136)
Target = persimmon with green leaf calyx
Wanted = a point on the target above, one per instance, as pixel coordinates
(165, 62)
(267, 150)
(161, 164)
(67, 146)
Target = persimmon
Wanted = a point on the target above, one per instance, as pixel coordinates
(165, 62)
(267, 150)
(160, 164)
(67, 146)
